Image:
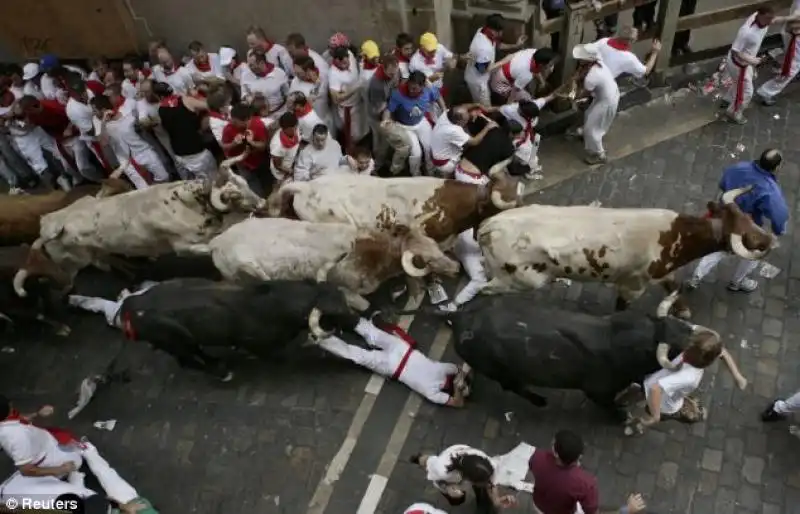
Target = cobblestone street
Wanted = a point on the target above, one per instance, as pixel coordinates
(262, 443)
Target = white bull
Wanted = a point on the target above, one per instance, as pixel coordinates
(357, 259)
(527, 247)
(180, 217)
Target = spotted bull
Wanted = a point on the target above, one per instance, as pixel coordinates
(527, 247)
(180, 217)
(357, 259)
(184, 317)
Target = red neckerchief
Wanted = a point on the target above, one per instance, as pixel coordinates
(757, 24)
(619, 44)
(289, 141)
(400, 56)
(403, 88)
(118, 105)
(339, 66)
(170, 72)
(217, 115)
(170, 101)
(302, 111)
(145, 72)
(134, 81)
(62, 437)
(493, 37)
(268, 67)
(369, 65)
(7, 98)
(430, 58)
(206, 66)
(267, 45)
(381, 73)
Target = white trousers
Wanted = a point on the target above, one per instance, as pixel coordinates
(471, 257)
(710, 261)
(598, 119)
(478, 85)
(81, 152)
(358, 121)
(789, 405)
(383, 361)
(33, 145)
(740, 92)
(528, 152)
(420, 136)
(114, 486)
(791, 66)
(149, 160)
(199, 165)
(102, 306)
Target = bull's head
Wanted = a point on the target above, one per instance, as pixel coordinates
(421, 255)
(230, 191)
(701, 345)
(39, 265)
(506, 191)
(746, 239)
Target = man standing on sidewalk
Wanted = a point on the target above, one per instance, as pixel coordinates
(791, 60)
(764, 200)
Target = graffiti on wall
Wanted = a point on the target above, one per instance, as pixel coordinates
(36, 46)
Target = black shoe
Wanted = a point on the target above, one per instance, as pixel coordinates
(769, 414)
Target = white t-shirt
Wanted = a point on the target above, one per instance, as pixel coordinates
(676, 385)
(447, 139)
(620, 61)
(215, 70)
(50, 90)
(82, 116)
(426, 377)
(279, 56)
(430, 66)
(602, 84)
(312, 163)
(345, 80)
(274, 86)
(306, 124)
(29, 88)
(287, 155)
(437, 466)
(129, 89)
(749, 38)
(179, 80)
(483, 50)
(26, 444)
(145, 109)
(316, 92)
(124, 138)
(423, 508)
(517, 72)
(511, 113)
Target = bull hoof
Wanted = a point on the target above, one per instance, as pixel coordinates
(63, 331)
(684, 313)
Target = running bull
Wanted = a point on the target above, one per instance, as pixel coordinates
(180, 217)
(357, 259)
(185, 317)
(522, 345)
(526, 248)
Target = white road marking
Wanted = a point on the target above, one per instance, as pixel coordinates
(324, 490)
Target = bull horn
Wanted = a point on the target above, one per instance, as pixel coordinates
(742, 251)
(497, 200)
(313, 324)
(19, 283)
(666, 304)
(499, 168)
(662, 355)
(215, 197)
(407, 260)
(226, 165)
(730, 196)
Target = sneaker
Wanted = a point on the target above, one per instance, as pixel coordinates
(594, 159)
(746, 285)
(692, 284)
(737, 118)
(769, 415)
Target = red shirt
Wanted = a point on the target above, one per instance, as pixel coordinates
(259, 130)
(559, 489)
(52, 118)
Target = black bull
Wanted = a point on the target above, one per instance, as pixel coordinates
(184, 316)
(515, 341)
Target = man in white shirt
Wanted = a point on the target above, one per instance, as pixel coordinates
(790, 65)
(512, 76)
(394, 355)
(345, 90)
(323, 154)
(276, 54)
(169, 71)
(617, 55)
(204, 68)
(526, 113)
(262, 77)
(133, 76)
(312, 83)
(432, 59)
(449, 138)
(599, 83)
(81, 116)
(32, 76)
(482, 51)
(283, 149)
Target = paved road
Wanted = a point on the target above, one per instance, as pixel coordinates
(262, 443)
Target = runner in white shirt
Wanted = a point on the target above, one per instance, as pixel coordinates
(262, 77)
(119, 101)
(403, 50)
(205, 68)
(150, 122)
(360, 162)
(482, 51)
(601, 85)
(423, 508)
(81, 116)
(512, 75)
(791, 61)
(527, 115)
(169, 71)
(370, 60)
(449, 138)
(432, 59)
(276, 54)
(133, 76)
(138, 160)
(742, 60)
(283, 149)
(231, 67)
(32, 76)
(312, 83)
(345, 90)
(394, 355)
(323, 154)
(617, 55)
(307, 117)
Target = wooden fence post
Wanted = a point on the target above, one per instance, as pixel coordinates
(571, 35)
(668, 13)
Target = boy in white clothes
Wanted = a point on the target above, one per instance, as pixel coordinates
(394, 355)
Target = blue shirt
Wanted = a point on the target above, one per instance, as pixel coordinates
(410, 111)
(765, 200)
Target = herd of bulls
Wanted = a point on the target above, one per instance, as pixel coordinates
(299, 265)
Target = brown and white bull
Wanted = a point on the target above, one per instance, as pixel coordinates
(179, 217)
(443, 207)
(357, 259)
(528, 247)
(20, 214)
